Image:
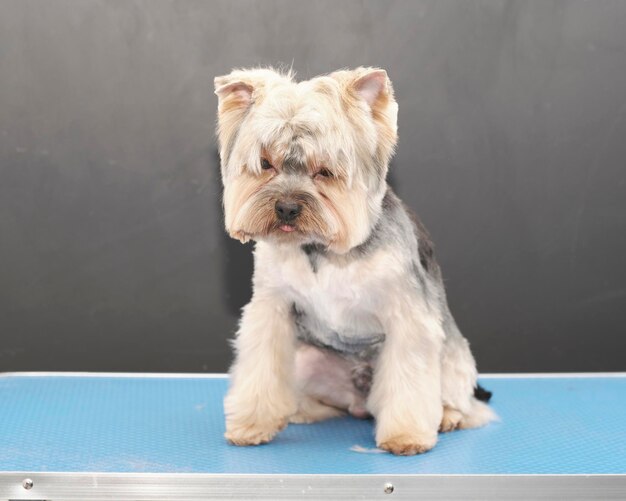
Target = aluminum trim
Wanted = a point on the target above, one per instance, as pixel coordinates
(191, 487)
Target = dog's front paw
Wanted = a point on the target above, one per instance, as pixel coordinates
(408, 444)
(253, 434)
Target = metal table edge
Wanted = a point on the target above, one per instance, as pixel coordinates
(189, 486)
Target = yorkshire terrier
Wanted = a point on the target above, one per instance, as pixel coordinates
(349, 311)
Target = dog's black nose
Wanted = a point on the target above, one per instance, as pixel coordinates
(287, 210)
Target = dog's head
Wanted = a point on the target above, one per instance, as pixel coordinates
(305, 162)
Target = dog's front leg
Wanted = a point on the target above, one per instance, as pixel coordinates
(406, 392)
(261, 396)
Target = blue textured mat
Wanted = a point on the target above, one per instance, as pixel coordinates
(170, 425)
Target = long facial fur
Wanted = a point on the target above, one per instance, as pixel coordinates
(345, 121)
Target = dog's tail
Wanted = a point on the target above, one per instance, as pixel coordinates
(481, 394)
(479, 413)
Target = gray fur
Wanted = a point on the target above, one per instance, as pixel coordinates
(311, 330)
(315, 252)
(398, 227)
(295, 160)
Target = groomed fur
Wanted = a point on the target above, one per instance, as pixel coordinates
(349, 312)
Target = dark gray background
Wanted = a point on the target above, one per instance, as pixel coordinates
(512, 149)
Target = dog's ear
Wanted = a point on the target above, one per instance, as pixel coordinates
(372, 85)
(237, 92)
(234, 90)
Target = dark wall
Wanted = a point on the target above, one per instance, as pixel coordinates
(512, 149)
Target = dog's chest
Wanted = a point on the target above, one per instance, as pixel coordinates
(334, 304)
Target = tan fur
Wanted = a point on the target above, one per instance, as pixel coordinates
(325, 145)
(259, 113)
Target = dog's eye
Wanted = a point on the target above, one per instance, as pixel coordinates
(324, 173)
(265, 164)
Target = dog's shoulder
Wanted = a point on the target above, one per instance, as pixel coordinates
(415, 234)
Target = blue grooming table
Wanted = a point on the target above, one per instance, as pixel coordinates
(66, 437)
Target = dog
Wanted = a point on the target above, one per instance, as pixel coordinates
(348, 312)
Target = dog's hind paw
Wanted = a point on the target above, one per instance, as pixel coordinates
(450, 419)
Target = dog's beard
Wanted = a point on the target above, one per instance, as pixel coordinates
(250, 214)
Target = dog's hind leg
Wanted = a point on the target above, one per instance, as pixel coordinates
(461, 408)
(458, 368)
(311, 410)
(328, 385)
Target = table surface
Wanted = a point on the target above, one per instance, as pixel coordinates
(175, 424)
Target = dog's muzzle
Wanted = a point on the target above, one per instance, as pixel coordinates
(287, 210)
